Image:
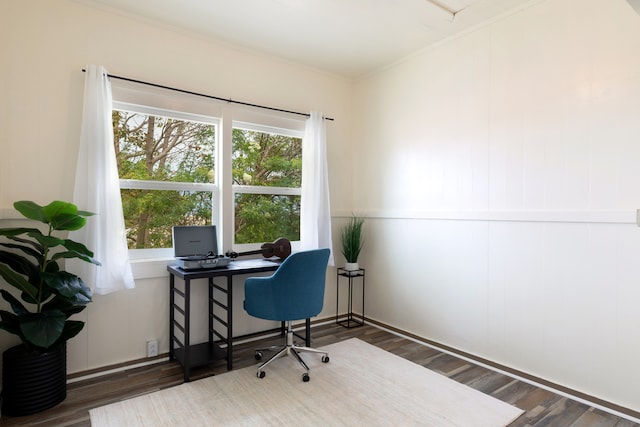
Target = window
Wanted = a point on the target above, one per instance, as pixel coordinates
(172, 167)
(167, 171)
(267, 175)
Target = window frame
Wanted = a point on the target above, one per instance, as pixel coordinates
(131, 97)
(136, 184)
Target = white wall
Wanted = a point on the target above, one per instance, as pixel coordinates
(45, 44)
(500, 172)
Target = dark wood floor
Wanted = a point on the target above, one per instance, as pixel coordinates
(543, 408)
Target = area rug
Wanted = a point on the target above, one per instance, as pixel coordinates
(362, 385)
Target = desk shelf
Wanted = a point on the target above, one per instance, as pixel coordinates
(200, 354)
(349, 321)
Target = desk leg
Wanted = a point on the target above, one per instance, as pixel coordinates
(187, 330)
(229, 322)
(172, 298)
(211, 302)
(307, 331)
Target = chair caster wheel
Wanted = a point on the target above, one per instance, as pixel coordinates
(325, 359)
(258, 355)
(261, 374)
(305, 378)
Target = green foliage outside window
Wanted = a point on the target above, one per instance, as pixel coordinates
(265, 218)
(267, 160)
(152, 148)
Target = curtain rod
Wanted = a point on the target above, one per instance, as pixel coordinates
(217, 98)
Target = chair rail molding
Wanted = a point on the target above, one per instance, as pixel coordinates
(569, 216)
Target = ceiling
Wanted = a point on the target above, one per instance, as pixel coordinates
(344, 37)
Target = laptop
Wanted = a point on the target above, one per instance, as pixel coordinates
(195, 247)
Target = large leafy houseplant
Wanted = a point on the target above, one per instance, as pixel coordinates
(30, 264)
(352, 239)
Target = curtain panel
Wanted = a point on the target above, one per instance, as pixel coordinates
(97, 190)
(315, 210)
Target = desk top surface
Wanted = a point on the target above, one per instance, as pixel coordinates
(236, 266)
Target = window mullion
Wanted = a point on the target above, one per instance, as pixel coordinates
(225, 178)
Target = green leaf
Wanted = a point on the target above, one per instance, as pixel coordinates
(68, 222)
(22, 265)
(64, 216)
(32, 248)
(60, 215)
(27, 250)
(69, 286)
(16, 305)
(46, 241)
(66, 306)
(30, 210)
(71, 329)
(67, 254)
(58, 208)
(9, 322)
(76, 250)
(77, 247)
(18, 281)
(12, 232)
(42, 329)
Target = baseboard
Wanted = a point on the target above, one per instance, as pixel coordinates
(119, 367)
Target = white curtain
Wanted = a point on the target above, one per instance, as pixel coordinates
(97, 190)
(315, 211)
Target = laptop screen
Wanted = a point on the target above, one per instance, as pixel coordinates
(194, 240)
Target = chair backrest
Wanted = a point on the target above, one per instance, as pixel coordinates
(295, 291)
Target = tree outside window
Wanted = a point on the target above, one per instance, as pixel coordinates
(267, 175)
(168, 177)
(162, 150)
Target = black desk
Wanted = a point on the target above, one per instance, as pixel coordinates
(202, 354)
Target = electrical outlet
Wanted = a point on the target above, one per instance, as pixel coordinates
(152, 348)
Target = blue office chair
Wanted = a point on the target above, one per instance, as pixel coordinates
(294, 292)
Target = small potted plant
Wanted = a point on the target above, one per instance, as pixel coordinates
(352, 240)
(34, 372)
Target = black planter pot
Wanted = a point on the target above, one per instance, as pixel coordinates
(33, 382)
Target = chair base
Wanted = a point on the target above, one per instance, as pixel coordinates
(289, 348)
